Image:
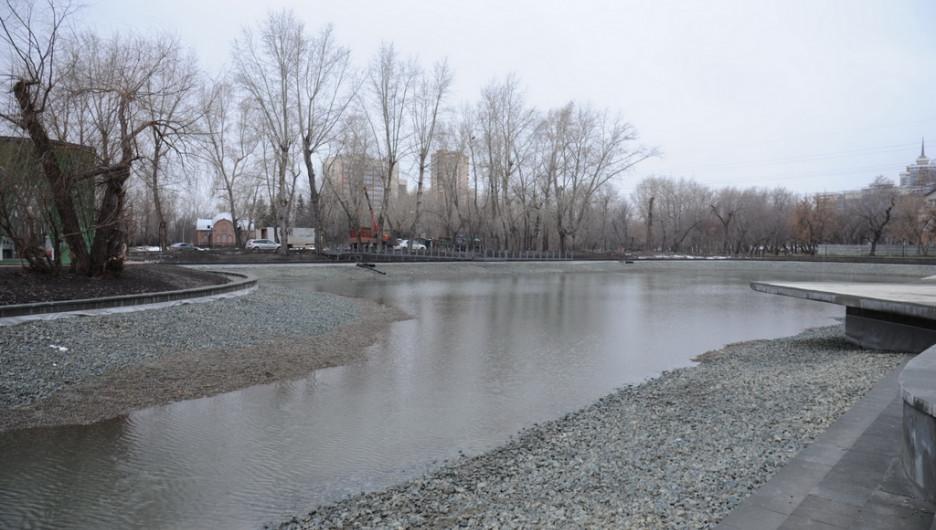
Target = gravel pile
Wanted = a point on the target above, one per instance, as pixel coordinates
(679, 451)
(37, 358)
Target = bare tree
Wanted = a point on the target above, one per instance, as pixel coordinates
(326, 89)
(105, 84)
(32, 37)
(913, 221)
(265, 66)
(725, 208)
(116, 80)
(390, 83)
(429, 93)
(168, 104)
(620, 223)
(227, 146)
(813, 220)
(685, 203)
(645, 197)
(505, 126)
(875, 209)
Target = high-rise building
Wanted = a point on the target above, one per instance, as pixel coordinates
(448, 174)
(921, 174)
(353, 174)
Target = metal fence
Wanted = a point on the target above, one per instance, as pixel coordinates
(865, 250)
(451, 254)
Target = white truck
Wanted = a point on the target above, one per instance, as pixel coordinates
(301, 238)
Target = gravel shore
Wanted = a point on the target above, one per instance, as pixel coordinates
(679, 451)
(84, 369)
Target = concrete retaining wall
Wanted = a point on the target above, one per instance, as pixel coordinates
(918, 389)
(241, 282)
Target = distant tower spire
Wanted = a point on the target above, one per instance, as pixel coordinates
(922, 147)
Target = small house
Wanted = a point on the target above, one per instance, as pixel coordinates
(218, 232)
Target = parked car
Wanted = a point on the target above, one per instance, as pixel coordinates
(410, 244)
(184, 246)
(261, 244)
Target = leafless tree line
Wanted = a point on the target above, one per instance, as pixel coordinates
(163, 144)
(682, 216)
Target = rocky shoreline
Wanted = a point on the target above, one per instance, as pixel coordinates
(86, 369)
(679, 451)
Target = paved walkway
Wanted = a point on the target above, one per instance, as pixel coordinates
(850, 477)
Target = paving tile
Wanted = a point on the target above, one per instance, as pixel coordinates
(826, 510)
(821, 453)
(795, 522)
(866, 475)
(872, 463)
(886, 425)
(843, 490)
(895, 409)
(790, 485)
(861, 414)
(748, 516)
(843, 435)
(877, 446)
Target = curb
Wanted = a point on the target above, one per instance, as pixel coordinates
(245, 281)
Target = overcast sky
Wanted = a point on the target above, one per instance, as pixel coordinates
(811, 95)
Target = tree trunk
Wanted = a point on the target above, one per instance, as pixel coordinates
(160, 218)
(59, 182)
(384, 202)
(238, 236)
(650, 223)
(106, 252)
(282, 211)
(315, 211)
(419, 192)
(157, 202)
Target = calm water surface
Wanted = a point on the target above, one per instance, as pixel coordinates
(483, 358)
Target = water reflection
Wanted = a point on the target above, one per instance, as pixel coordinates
(482, 359)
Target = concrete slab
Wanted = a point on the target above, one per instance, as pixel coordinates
(880, 316)
(910, 299)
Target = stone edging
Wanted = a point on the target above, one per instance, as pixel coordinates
(245, 281)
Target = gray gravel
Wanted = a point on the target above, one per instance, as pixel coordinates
(37, 358)
(679, 451)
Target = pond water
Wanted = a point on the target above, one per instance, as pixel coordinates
(483, 358)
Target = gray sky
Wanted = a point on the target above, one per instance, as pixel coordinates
(810, 95)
